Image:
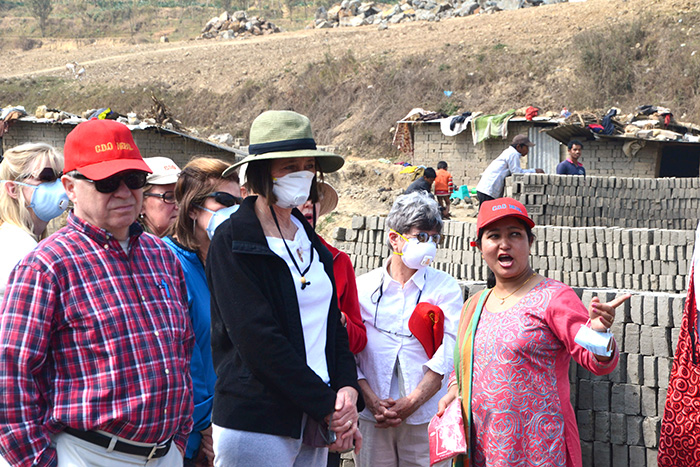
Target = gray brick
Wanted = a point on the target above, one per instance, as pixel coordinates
(585, 424)
(620, 456)
(634, 368)
(651, 429)
(631, 339)
(649, 402)
(633, 399)
(358, 222)
(665, 311)
(652, 457)
(661, 341)
(646, 344)
(634, 432)
(649, 310)
(601, 396)
(636, 308)
(602, 454)
(618, 428)
(587, 453)
(602, 426)
(661, 401)
(650, 372)
(664, 369)
(585, 394)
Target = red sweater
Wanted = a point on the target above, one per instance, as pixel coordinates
(347, 297)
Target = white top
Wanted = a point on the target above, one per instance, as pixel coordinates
(16, 243)
(493, 180)
(387, 343)
(314, 300)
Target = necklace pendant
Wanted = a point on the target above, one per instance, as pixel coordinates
(503, 300)
(300, 253)
(304, 282)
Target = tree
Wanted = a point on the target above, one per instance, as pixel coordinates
(41, 9)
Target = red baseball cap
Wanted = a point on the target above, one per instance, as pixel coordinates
(99, 149)
(496, 209)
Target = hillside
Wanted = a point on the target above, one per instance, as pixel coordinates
(355, 83)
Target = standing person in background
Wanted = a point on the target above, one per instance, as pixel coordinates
(342, 268)
(206, 198)
(424, 183)
(410, 311)
(493, 180)
(159, 209)
(443, 188)
(95, 341)
(286, 387)
(572, 166)
(344, 278)
(31, 194)
(514, 348)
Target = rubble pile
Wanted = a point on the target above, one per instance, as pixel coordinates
(238, 24)
(356, 13)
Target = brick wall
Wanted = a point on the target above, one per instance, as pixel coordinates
(466, 161)
(654, 203)
(618, 415)
(150, 141)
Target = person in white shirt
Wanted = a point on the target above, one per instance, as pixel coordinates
(493, 180)
(401, 373)
(31, 194)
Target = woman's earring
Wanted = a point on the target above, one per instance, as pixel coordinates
(194, 227)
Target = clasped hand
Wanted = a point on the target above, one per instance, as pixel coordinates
(344, 421)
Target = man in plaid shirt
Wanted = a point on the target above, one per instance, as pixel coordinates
(95, 340)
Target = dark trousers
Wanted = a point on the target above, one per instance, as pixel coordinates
(483, 197)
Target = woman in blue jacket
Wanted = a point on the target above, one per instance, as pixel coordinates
(204, 196)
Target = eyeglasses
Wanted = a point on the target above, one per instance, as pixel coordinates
(422, 237)
(224, 198)
(378, 293)
(46, 175)
(168, 197)
(132, 180)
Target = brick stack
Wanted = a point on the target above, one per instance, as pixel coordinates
(662, 203)
(619, 258)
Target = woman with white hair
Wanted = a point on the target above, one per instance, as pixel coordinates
(31, 194)
(411, 312)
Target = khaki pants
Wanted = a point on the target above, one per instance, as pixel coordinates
(403, 446)
(75, 452)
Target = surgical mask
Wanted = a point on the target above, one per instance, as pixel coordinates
(293, 189)
(218, 218)
(599, 343)
(417, 255)
(49, 199)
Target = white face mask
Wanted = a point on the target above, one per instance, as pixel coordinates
(218, 217)
(293, 189)
(417, 255)
(599, 343)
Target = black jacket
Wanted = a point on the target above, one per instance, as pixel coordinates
(263, 383)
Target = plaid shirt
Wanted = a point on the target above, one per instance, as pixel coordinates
(93, 338)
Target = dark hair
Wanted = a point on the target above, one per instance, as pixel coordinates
(528, 231)
(259, 181)
(429, 173)
(574, 142)
(442, 165)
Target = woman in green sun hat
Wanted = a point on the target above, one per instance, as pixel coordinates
(286, 388)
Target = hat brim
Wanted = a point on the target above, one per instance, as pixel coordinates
(527, 220)
(162, 179)
(327, 161)
(329, 198)
(106, 169)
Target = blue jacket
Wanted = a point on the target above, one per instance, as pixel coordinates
(201, 366)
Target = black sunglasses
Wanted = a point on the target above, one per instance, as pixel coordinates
(132, 180)
(168, 197)
(46, 175)
(225, 199)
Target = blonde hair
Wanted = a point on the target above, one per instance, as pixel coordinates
(198, 179)
(19, 163)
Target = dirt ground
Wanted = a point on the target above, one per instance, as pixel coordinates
(366, 186)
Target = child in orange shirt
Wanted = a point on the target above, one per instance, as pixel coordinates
(443, 188)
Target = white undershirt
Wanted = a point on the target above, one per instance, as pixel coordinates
(314, 300)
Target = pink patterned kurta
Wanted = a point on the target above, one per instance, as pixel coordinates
(522, 415)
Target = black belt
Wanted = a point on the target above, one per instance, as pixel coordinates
(154, 452)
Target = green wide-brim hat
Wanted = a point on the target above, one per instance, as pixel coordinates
(278, 134)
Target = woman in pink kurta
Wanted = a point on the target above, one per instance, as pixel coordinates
(514, 349)
(520, 390)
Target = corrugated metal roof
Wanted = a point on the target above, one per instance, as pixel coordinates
(565, 133)
(73, 121)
